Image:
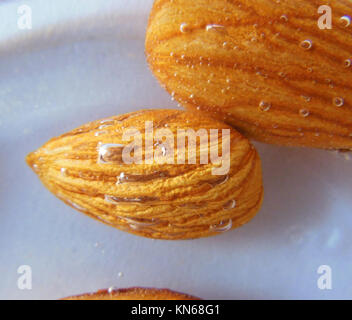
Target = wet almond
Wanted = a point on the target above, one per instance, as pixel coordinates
(133, 294)
(264, 67)
(148, 173)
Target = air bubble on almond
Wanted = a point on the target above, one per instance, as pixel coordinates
(107, 121)
(63, 171)
(215, 27)
(184, 27)
(306, 98)
(121, 178)
(345, 21)
(103, 126)
(338, 102)
(304, 113)
(223, 226)
(264, 106)
(104, 150)
(284, 18)
(306, 44)
(99, 133)
(137, 224)
(111, 290)
(347, 63)
(230, 205)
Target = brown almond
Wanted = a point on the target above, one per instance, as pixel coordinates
(264, 67)
(87, 169)
(133, 294)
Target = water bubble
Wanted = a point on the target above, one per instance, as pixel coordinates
(264, 106)
(345, 21)
(108, 121)
(304, 113)
(347, 63)
(63, 172)
(230, 205)
(163, 151)
(111, 290)
(223, 226)
(107, 150)
(121, 178)
(183, 27)
(338, 101)
(306, 44)
(215, 27)
(306, 98)
(284, 18)
(99, 133)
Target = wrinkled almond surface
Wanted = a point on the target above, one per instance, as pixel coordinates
(263, 66)
(85, 169)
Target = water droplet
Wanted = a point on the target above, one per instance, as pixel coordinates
(183, 27)
(118, 200)
(338, 101)
(284, 18)
(264, 106)
(99, 133)
(306, 98)
(111, 290)
(345, 21)
(304, 113)
(347, 63)
(136, 223)
(215, 27)
(120, 274)
(163, 151)
(63, 172)
(121, 178)
(106, 151)
(230, 205)
(306, 44)
(108, 121)
(223, 226)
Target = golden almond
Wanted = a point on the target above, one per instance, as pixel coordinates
(269, 68)
(133, 294)
(149, 174)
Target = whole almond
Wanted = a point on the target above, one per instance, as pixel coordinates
(133, 294)
(265, 67)
(86, 168)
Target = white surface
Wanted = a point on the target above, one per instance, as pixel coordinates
(84, 60)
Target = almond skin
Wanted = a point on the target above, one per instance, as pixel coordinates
(164, 201)
(264, 67)
(133, 294)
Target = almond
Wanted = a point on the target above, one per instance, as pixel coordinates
(89, 169)
(265, 67)
(133, 294)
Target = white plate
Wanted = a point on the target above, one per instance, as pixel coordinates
(84, 60)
